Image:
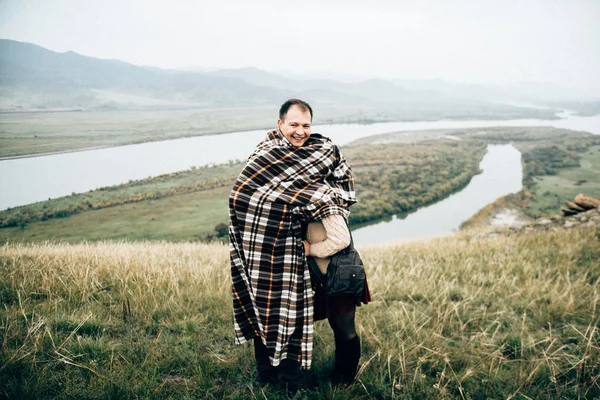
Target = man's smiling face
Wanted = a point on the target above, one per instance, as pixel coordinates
(296, 125)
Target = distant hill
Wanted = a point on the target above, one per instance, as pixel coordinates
(399, 91)
(32, 77)
(518, 92)
(35, 78)
(372, 90)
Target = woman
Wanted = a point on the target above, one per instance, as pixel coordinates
(326, 238)
(291, 178)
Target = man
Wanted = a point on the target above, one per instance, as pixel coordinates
(292, 177)
(295, 121)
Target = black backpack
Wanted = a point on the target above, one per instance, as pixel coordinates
(345, 273)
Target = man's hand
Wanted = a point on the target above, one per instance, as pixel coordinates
(306, 248)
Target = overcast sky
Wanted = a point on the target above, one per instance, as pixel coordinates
(478, 41)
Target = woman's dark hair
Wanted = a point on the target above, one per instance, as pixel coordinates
(294, 102)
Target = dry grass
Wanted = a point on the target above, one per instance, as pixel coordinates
(509, 317)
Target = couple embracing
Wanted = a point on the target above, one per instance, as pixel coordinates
(290, 205)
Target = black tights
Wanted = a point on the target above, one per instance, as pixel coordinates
(342, 323)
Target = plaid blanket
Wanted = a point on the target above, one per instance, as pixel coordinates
(279, 189)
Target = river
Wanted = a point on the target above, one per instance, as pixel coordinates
(32, 179)
(502, 174)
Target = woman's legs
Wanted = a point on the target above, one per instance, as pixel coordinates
(341, 319)
(347, 342)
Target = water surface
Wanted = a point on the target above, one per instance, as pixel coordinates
(502, 174)
(28, 180)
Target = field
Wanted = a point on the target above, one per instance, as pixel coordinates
(551, 191)
(190, 216)
(184, 205)
(396, 173)
(188, 205)
(40, 133)
(30, 133)
(459, 317)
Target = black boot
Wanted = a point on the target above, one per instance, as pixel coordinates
(290, 375)
(347, 355)
(265, 372)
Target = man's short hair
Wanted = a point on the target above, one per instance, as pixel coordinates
(304, 106)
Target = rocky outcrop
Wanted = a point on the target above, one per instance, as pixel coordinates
(586, 218)
(590, 217)
(580, 204)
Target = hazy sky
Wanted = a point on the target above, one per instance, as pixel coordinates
(476, 41)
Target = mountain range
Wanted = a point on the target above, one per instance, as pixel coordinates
(35, 78)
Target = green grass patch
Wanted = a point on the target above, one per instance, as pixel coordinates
(458, 317)
(551, 191)
(190, 216)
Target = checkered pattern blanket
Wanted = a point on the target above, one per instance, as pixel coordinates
(281, 187)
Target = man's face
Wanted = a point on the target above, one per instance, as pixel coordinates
(296, 125)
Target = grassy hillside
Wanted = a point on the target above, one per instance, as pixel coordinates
(465, 318)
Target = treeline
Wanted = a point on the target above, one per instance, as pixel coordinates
(547, 161)
(63, 208)
(396, 179)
